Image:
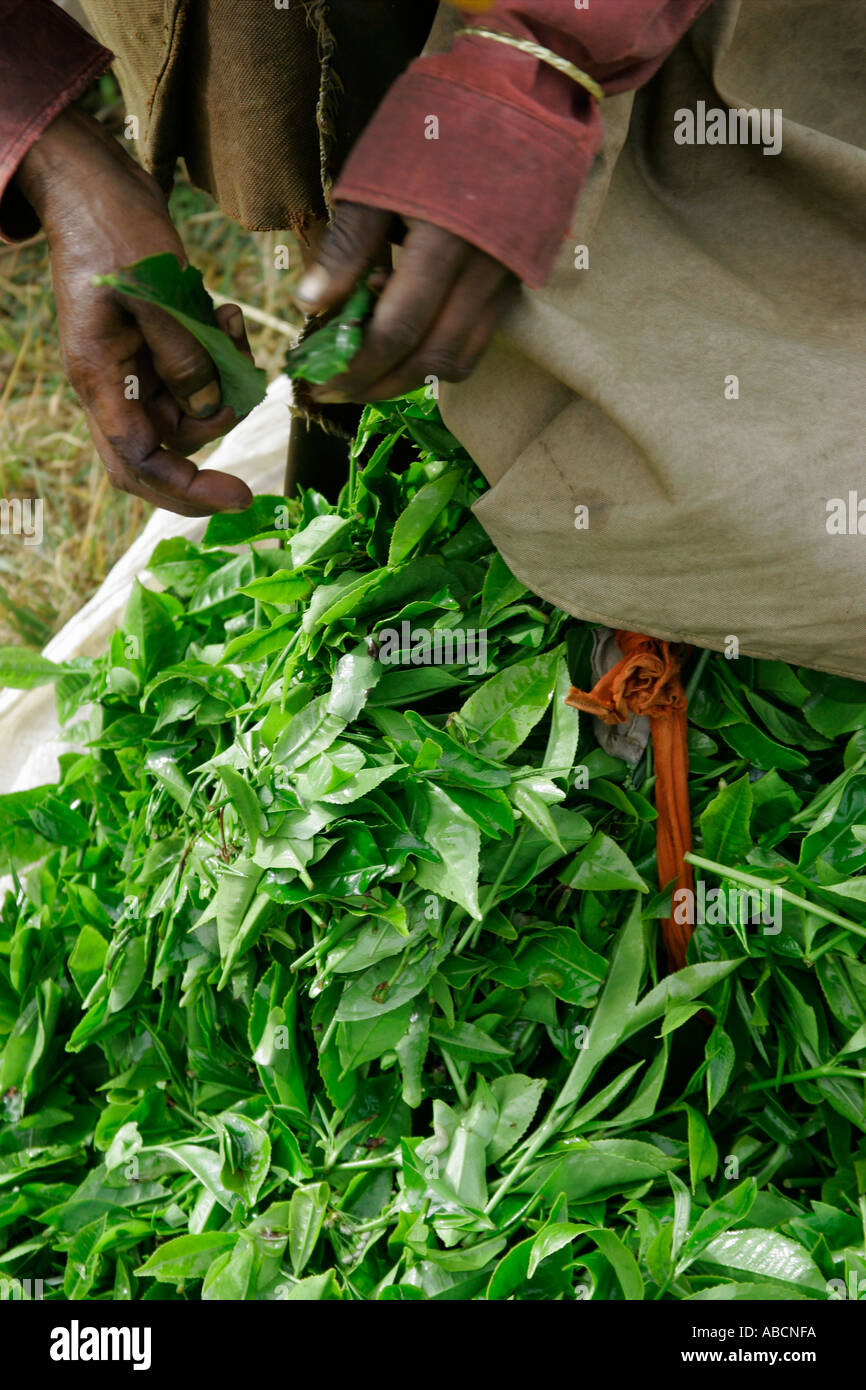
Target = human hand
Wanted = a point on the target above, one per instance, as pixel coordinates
(150, 392)
(435, 317)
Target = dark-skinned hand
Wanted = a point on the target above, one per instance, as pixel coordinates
(100, 212)
(434, 318)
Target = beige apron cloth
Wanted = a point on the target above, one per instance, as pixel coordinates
(707, 516)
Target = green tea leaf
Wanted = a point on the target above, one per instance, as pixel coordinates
(456, 839)
(414, 523)
(328, 351)
(307, 1212)
(161, 280)
(23, 669)
(602, 866)
(502, 713)
(187, 1257)
(725, 823)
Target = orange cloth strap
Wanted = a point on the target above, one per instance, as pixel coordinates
(647, 681)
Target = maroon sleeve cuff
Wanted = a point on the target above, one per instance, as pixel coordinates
(46, 61)
(499, 175)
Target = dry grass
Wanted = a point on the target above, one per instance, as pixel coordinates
(45, 450)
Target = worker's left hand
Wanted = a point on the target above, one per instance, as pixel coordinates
(435, 316)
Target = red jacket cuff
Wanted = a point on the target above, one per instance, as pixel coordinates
(491, 162)
(46, 61)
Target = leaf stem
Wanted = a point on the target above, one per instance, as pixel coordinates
(697, 674)
(456, 1078)
(812, 1074)
(357, 1165)
(475, 927)
(553, 1122)
(762, 884)
(327, 1035)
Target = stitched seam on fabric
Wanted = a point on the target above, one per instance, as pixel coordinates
(330, 86)
(516, 114)
(551, 459)
(297, 223)
(181, 10)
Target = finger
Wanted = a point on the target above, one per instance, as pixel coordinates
(413, 298)
(123, 481)
(456, 342)
(230, 318)
(122, 478)
(179, 431)
(180, 361)
(379, 277)
(494, 311)
(128, 444)
(417, 371)
(352, 244)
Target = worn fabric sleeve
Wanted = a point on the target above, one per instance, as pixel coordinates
(46, 61)
(495, 144)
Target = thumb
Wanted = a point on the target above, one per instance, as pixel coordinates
(353, 242)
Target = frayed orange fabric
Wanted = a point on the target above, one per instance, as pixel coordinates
(647, 681)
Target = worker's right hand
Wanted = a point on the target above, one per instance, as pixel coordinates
(150, 391)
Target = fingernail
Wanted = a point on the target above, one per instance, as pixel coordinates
(330, 397)
(205, 402)
(235, 324)
(312, 286)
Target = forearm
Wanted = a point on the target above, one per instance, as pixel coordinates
(513, 138)
(46, 61)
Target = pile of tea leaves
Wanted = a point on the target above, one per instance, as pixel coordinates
(330, 966)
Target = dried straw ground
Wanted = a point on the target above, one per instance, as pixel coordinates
(45, 450)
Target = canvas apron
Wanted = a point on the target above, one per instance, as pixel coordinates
(672, 432)
(262, 101)
(700, 388)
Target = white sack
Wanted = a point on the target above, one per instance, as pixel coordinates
(29, 736)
